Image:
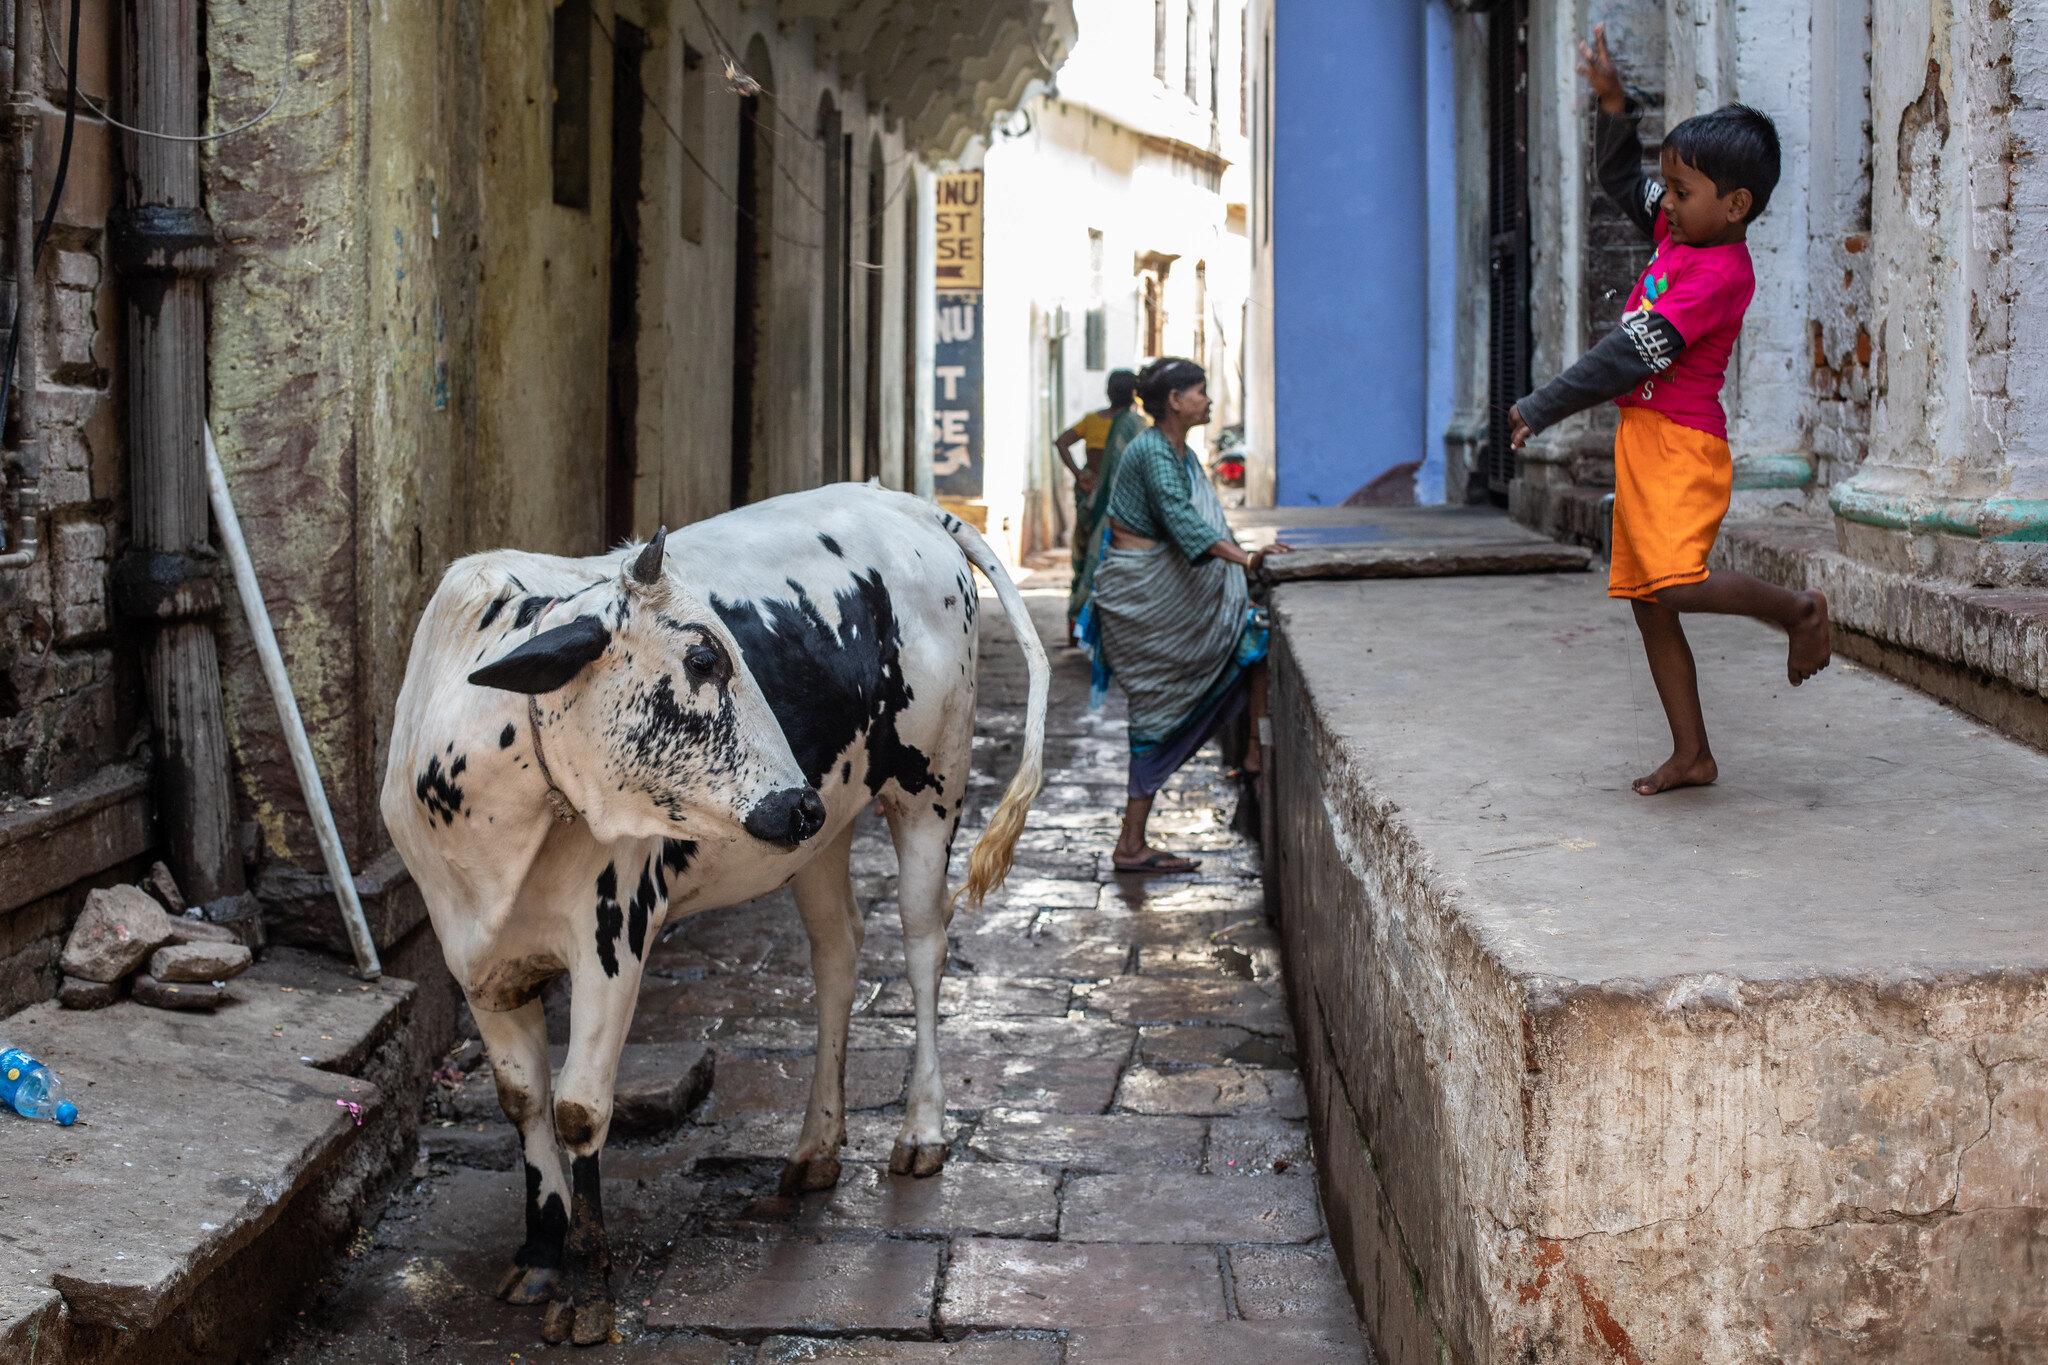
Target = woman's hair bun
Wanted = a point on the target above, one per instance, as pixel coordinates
(1165, 377)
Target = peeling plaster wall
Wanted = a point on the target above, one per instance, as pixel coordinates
(409, 336)
(1839, 321)
(285, 362)
(1940, 225)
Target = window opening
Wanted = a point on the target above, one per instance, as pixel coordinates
(753, 260)
(622, 349)
(570, 147)
(1510, 340)
(873, 281)
(690, 128)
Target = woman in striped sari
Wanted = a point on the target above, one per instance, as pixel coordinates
(1169, 612)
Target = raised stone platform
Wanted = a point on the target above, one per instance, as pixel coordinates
(218, 1159)
(1756, 1071)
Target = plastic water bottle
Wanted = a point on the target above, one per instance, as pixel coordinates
(31, 1089)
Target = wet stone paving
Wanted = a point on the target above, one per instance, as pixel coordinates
(1130, 1178)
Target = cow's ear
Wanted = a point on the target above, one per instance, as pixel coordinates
(549, 660)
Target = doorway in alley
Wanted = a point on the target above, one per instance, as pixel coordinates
(622, 309)
(1510, 336)
(753, 256)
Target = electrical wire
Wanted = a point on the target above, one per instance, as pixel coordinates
(71, 80)
(662, 115)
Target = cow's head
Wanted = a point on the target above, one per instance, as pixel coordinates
(648, 720)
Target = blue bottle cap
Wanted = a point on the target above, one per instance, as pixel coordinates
(67, 1113)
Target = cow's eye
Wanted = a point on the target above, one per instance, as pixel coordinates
(702, 661)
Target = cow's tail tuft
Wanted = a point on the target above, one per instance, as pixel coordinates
(989, 864)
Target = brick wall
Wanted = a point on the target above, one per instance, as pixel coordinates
(70, 681)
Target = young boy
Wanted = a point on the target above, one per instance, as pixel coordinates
(1664, 366)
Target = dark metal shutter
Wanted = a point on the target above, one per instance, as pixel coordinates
(1510, 338)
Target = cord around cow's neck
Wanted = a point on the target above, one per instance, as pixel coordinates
(558, 801)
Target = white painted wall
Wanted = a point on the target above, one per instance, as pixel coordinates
(1113, 150)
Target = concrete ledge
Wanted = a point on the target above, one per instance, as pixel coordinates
(199, 1134)
(1405, 561)
(299, 906)
(86, 828)
(1984, 650)
(1753, 1071)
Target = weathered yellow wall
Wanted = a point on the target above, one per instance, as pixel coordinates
(408, 346)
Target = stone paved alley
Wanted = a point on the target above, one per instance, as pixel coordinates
(1130, 1179)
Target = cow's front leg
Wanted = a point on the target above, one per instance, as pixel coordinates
(517, 1042)
(923, 845)
(600, 1012)
(824, 896)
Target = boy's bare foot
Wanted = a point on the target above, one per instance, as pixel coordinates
(1678, 772)
(1810, 651)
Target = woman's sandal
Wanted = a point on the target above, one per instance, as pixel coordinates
(1158, 865)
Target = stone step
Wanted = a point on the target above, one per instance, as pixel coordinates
(196, 1131)
(1737, 1063)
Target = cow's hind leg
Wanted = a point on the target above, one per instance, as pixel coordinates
(601, 998)
(923, 847)
(824, 896)
(517, 1042)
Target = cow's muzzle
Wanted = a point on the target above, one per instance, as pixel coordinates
(787, 817)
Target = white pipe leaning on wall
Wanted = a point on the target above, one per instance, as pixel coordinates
(367, 965)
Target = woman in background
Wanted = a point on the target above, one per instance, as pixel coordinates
(1103, 435)
(1170, 611)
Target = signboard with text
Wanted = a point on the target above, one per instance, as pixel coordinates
(956, 396)
(957, 229)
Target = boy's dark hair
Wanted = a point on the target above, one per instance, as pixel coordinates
(1165, 377)
(1736, 147)
(1123, 387)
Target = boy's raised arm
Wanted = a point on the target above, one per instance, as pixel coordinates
(1618, 152)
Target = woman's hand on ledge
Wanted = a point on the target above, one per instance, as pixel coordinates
(1259, 557)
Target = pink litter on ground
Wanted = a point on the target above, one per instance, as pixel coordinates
(355, 1110)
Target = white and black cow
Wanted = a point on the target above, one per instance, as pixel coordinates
(585, 748)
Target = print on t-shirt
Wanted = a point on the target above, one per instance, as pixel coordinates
(1703, 292)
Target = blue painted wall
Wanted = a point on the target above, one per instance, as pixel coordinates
(1350, 244)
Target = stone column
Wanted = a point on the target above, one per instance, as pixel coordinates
(1956, 483)
(1559, 149)
(1768, 396)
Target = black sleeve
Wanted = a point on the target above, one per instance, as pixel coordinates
(1644, 345)
(1619, 154)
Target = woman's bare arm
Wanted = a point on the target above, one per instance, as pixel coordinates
(1062, 443)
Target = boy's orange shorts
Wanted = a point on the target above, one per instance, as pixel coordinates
(1671, 488)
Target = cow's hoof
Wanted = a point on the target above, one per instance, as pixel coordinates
(911, 1157)
(527, 1285)
(818, 1173)
(593, 1323)
(557, 1322)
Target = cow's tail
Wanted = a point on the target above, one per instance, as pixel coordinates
(989, 864)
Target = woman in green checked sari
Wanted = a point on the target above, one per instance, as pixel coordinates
(1169, 613)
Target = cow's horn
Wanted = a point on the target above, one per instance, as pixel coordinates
(647, 568)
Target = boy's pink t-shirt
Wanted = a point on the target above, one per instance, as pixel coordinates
(1703, 291)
